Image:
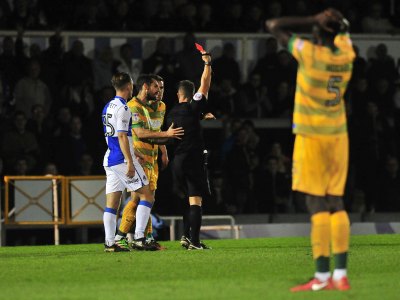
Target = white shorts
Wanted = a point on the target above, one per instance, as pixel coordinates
(117, 180)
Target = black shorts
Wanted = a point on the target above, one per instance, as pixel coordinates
(189, 174)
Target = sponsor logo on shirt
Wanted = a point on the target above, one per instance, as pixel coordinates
(155, 124)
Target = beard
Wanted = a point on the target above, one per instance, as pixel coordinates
(151, 97)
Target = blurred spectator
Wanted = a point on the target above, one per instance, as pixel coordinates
(170, 76)
(254, 100)
(164, 19)
(395, 18)
(382, 95)
(267, 65)
(238, 173)
(353, 15)
(77, 67)
(35, 52)
(19, 143)
(396, 98)
(382, 65)
(359, 94)
(103, 68)
(253, 19)
(41, 126)
(79, 99)
(30, 90)
(231, 128)
(205, 19)
(226, 67)
(90, 15)
(389, 187)
(5, 14)
(62, 120)
(225, 99)
(50, 168)
(71, 148)
(272, 187)
(282, 100)
(10, 68)
(28, 14)
(375, 22)
(232, 18)
(52, 65)
(284, 162)
(286, 69)
(160, 57)
(21, 167)
(374, 138)
(359, 65)
(274, 10)
(253, 139)
(121, 17)
(299, 8)
(127, 63)
(94, 128)
(218, 190)
(85, 165)
(189, 66)
(187, 16)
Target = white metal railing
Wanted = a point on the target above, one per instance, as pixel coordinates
(365, 42)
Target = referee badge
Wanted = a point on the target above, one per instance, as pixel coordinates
(135, 117)
(197, 97)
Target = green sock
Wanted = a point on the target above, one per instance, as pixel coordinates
(322, 264)
(340, 260)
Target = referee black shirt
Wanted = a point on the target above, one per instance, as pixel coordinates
(188, 115)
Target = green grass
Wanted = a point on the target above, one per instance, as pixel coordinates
(234, 269)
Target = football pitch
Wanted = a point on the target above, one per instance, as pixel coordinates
(234, 269)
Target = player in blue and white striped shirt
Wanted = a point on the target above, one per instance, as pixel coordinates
(122, 168)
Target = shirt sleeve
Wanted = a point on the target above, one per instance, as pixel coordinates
(138, 118)
(162, 108)
(123, 119)
(298, 47)
(344, 43)
(198, 103)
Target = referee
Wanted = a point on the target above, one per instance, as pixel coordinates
(187, 165)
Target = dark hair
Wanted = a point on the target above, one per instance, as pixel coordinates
(336, 27)
(157, 77)
(144, 79)
(187, 88)
(120, 80)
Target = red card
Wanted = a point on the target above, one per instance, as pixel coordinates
(199, 47)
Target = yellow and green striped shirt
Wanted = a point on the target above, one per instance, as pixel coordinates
(150, 117)
(322, 79)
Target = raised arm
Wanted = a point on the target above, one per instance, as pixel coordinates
(280, 27)
(205, 82)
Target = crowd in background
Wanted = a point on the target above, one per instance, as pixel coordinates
(182, 15)
(51, 101)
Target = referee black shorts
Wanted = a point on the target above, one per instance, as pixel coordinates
(189, 174)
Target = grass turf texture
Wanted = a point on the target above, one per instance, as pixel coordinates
(234, 269)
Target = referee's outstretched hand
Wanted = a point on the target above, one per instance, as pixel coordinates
(175, 133)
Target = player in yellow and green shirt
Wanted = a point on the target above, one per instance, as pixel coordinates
(321, 150)
(148, 113)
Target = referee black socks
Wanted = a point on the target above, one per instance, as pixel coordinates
(195, 223)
